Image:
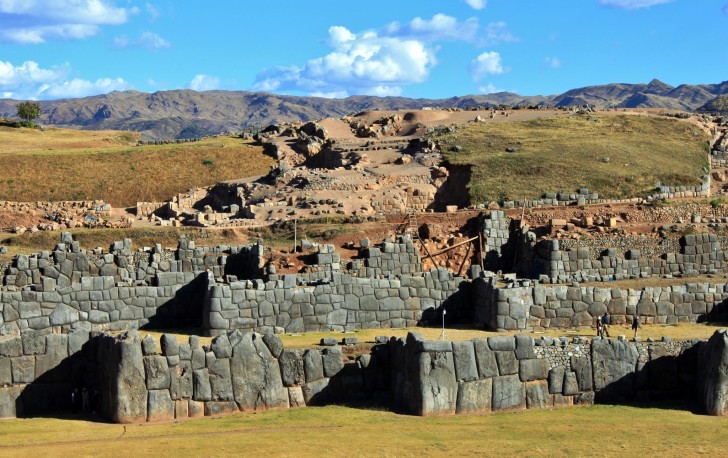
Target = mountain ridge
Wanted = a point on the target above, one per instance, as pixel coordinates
(185, 113)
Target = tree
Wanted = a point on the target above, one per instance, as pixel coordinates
(28, 110)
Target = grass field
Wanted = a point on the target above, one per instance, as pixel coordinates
(63, 164)
(653, 430)
(565, 153)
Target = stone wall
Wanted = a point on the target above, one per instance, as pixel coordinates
(541, 307)
(699, 253)
(38, 371)
(238, 372)
(516, 372)
(335, 302)
(120, 289)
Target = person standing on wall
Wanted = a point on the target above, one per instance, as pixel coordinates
(635, 325)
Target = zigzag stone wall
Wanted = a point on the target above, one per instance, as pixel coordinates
(541, 307)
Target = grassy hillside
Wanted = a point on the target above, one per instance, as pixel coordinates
(61, 164)
(657, 430)
(565, 153)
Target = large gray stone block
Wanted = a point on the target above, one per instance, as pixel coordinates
(712, 374)
(507, 362)
(436, 383)
(466, 369)
(614, 364)
(487, 364)
(502, 343)
(537, 395)
(333, 361)
(160, 406)
(291, 362)
(313, 365)
(583, 370)
(508, 393)
(556, 380)
(130, 400)
(256, 375)
(157, 372)
(201, 385)
(533, 369)
(475, 396)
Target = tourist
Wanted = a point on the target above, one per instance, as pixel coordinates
(605, 324)
(599, 326)
(635, 325)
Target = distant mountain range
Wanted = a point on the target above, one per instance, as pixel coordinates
(189, 114)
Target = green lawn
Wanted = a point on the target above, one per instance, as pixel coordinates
(657, 430)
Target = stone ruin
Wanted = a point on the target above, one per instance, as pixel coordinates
(58, 308)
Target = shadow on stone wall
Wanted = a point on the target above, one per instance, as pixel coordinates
(184, 311)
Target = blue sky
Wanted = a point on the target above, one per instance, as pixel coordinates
(415, 48)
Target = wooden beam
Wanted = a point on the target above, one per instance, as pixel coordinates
(445, 250)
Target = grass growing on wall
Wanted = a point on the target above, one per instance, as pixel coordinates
(656, 430)
(63, 164)
(565, 153)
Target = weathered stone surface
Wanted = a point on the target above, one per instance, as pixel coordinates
(129, 389)
(201, 385)
(181, 409)
(221, 380)
(466, 368)
(157, 372)
(508, 393)
(291, 362)
(256, 376)
(583, 370)
(315, 393)
(76, 340)
(274, 343)
(507, 362)
(9, 405)
(614, 363)
(436, 382)
(23, 369)
(571, 384)
(475, 396)
(170, 346)
(221, 346)
(63, 314)
(160, 406)
(487, 364)
(295, 397)
(52, 366)
(712, 376)
(214, 408)
(6, 371)
(34, 342)
(11, 346)
(524, 347)
(313, 366)
(556, 380)
(333, 361)
(533, 369)
(502, 343)
(195, 409)
(537, 395)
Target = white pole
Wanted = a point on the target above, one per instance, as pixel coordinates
(442, 335)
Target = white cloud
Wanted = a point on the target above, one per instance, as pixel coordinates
(553, 62)
(365, 63)
(489, 89)
(83, 88)
(497, 32)
(204, 83)
(36, 21)
(488, 63)
(152, 11)
(30, 81)
(632, 4)
(440, 27)
(477, 4)
(146, 40)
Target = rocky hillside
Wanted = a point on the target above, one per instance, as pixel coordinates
(189, 114)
